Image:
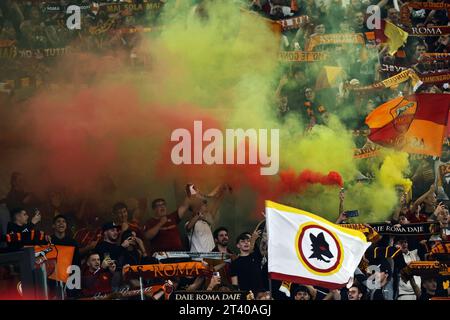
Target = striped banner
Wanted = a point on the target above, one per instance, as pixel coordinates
(440, 77)
(370, 150)
(337, 38)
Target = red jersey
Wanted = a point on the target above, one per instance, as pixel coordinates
(412, 218)
(94, 283)
(168, 237)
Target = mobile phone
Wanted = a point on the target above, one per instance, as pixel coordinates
(351, 213)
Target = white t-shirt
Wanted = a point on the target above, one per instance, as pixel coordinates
(406, 287)
(200, 237)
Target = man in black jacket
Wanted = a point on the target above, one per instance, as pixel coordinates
(20, 232)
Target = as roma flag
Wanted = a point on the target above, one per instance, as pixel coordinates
(307, 249)
(415, 124)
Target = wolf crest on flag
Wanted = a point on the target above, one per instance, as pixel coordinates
(415, 124)
(307, 249)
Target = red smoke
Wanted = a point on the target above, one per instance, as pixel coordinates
(290, 183)
(76, 137)
(274, 188)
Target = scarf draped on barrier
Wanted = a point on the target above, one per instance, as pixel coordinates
(167, 270)
(191, 255)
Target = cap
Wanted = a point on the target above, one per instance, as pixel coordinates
(110, 225)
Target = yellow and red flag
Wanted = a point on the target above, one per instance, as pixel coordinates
(415, 124)
(393, 36)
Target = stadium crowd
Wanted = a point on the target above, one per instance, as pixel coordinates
(139, 231)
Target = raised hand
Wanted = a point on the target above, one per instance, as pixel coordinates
(36, 218)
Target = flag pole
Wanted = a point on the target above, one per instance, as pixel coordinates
(61, 285)
(266, 227)
(270, 286)
(44, 282)
(141, 288)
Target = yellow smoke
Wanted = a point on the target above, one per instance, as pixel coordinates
(377, 200)
(216, 57)
(225, 61)
(324, 149)
(330, 148)
(391, 172)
